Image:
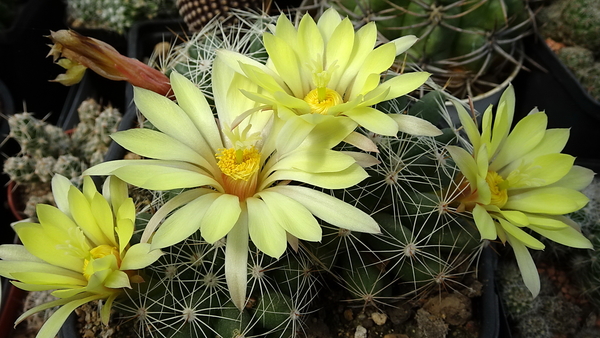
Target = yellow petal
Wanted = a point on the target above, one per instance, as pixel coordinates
(364, 41)
(521, 236)
(526, 135)
(104, 218)
(172, 204)
(335, 180)
(117, 279)
(194, 104)
(139, 256)
(292, 216)
(60, 191)
(413, 125)
(56, 321)
(17, 252)
(315, 161)
(268, 236)
(154, 144)
(578, 178)
(468, 123)
(116, 191)
(526, 266)
(565, 236)
(327, 23)
(82, 214)
(47, 248)
(320, 204)
(183, 222)
(547, 200)
(168, 117)
(485, 223)
(403, 84)
(339, 47)
(373, 120)
(236, 260)
(466, 163)
(220, 217)
(286, 62)
(155, 174)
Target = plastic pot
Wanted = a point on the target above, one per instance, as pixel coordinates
(568, 105)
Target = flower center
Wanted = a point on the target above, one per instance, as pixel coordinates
(498, 187)
(99, 252)
(239, 164)
(321, 99)
(239, 168)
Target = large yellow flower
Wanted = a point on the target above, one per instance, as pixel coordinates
(519, 179)
(238, 181)
(81, 249)
(326, 68)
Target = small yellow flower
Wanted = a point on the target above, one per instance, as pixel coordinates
(519, 179)
(80, 249)
(328, 68)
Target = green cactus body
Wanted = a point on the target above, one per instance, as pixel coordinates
(581, 19)
(489, 15)
(366, 281)
(231, 323)
(273, 309)
(471, 44)
(436, 38)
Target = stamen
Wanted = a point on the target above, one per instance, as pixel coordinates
(498, 187)
(321, 106)
(239, 164)
(99, 252)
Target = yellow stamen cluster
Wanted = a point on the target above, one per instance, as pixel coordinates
(321, 100)
(99, 252)
(237, 163)
(498, 188)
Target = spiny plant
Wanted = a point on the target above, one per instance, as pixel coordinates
(417, 190)
(117, 15)
(425, 244)
(47, 150)
(411, 171)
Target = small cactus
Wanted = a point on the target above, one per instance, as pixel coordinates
(47, 149)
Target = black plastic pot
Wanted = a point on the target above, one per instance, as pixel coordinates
(568, 105)
(25, 68)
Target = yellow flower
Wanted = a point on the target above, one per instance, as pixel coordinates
(81, 249)
(519, 179)
(238, 181)
(326, 68)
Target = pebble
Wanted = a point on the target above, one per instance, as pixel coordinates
(360, 332)
(395, 335)
(379, 318)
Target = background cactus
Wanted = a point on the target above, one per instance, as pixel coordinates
(574, 25)
(116, 15)
(47, 150)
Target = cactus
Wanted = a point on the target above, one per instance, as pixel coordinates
(429, 243)
(282, 291)
(117, 15)
(47, 149)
